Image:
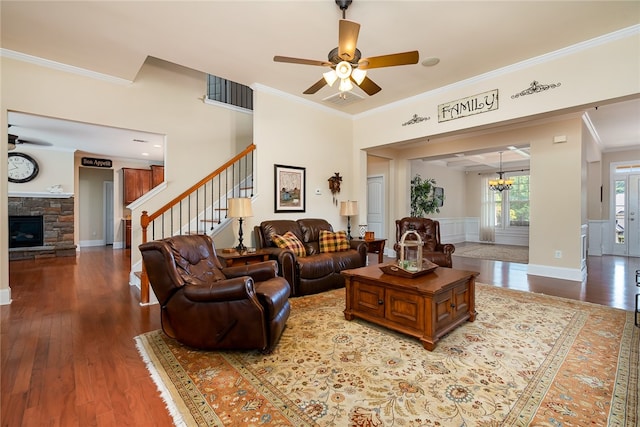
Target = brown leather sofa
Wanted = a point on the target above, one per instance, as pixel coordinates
(429, 231)
(316, 272)
(206, 306)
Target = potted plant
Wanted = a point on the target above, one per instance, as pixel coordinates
(424, 200)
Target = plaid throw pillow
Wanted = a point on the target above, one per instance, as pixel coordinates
(290, 241)
(333, 242)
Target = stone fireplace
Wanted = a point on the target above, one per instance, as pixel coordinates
(57, 215)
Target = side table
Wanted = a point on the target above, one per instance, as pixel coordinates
(375, 246)
(235, 258)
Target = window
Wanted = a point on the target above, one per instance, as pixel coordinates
(228, 92)
(515, 202)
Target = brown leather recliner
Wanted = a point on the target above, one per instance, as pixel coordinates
(206, 306)
(316, 272)
(429, 231)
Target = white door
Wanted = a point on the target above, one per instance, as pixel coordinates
(108, 211)
(375, 205)
(633, 219)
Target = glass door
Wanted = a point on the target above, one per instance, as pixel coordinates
(625, 213)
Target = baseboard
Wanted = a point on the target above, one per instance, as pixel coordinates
(574, 274)
(5, 296)
(88, 243)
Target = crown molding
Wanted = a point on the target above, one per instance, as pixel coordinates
(6, 53)
(262, 88)
(527, 63)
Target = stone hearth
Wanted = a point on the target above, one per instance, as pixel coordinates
(58, 218)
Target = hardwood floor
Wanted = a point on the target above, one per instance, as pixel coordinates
(68, 357)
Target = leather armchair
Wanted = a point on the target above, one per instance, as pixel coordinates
(429, 231)
(206, 306)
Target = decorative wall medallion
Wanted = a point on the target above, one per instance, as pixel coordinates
(535, 88)
(476, 104)
(416, 119)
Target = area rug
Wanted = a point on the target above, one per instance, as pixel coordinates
(528, 359)
(509, 253)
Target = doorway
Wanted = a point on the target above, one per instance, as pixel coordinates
(375, 205)
(625, 210)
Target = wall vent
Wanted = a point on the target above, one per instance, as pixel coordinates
(343, 98)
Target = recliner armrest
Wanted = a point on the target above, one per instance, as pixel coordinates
(259, 272)
(225, 290)
(447, 248)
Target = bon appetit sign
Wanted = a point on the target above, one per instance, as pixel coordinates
(476, 104)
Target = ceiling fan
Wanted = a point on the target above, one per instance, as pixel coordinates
(16, 140)
(346, 60)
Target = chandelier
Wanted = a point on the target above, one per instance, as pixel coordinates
(500, 184)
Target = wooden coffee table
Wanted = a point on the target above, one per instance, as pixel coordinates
(425, 307)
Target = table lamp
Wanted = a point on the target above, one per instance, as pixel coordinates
(240, 208)
(348, 209)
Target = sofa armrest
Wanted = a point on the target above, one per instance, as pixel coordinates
(225, 290)
(259, 272)
(362, 249)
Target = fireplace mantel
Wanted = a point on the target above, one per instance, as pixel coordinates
(40, 195)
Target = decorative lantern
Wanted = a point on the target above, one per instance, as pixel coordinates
(410, 252)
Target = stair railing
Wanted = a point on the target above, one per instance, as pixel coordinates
(199, 208)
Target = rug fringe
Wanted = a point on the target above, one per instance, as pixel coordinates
(178, 420)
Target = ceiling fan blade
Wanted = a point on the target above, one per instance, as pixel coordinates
(301, 61)
(369, 86)
(404, 58)
(347, 39)
(41, 143)
(315, 87)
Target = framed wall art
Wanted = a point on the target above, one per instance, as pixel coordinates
(290, 193)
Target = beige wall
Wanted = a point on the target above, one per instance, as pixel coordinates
(291, 132)
(55, 167)
(164, 99)
(454, 183)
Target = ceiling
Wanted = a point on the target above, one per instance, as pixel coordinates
(238, 39)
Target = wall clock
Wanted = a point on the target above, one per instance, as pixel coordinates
(22, 167)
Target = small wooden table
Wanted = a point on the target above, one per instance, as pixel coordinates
(426, 307)
(230, 259)
(375, 246)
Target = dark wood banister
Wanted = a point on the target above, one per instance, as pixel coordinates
(145, 218)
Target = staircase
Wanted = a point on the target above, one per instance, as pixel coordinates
(202, 208)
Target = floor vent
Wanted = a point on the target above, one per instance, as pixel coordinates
(343, 98)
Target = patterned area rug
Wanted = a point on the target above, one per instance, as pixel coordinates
(508, 253)
(528, 359)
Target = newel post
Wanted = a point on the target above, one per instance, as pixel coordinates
(144, 280)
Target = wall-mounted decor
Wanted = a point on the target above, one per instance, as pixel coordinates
(476, 104)
(438, 193)
(416, 119)
(96, 163)
(535, 87)
(424, 199)
(334, 186)
(289, 188)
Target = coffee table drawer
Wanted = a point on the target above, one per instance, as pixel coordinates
(404, 309)
(369, 299)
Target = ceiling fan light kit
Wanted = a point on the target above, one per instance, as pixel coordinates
(346, 60)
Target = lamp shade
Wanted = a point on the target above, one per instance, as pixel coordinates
(240, 208)
(349, 208)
